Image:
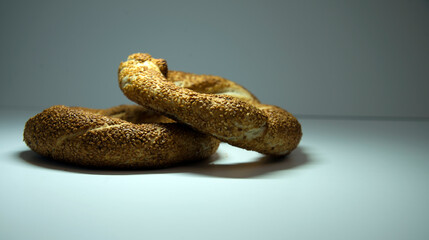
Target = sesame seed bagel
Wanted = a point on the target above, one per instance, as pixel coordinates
(125, 136)
(210, 104)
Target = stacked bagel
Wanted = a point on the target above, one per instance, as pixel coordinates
(180, 117)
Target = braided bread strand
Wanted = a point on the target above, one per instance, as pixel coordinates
(120, 137)
(210, 104)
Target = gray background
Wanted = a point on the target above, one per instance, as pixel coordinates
(343, 58)
(348, 179)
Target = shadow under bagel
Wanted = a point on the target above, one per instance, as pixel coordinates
(206, 167)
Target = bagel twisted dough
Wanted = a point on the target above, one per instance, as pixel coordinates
(126, 136)
(210, 104)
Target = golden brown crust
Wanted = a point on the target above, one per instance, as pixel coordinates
(130, 113)
(102, 138)
(210, 104)
(210, 84)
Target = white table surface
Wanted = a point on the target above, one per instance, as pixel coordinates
(349, 179)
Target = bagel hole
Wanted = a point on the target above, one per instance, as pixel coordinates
(140, 117)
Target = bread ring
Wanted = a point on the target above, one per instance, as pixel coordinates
(210, 104)
(112, 138)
